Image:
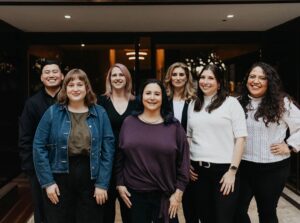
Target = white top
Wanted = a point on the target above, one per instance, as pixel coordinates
(213, 134)
(260, 137)
(178, 108)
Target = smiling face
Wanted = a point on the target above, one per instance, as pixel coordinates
(51, 76)
(76, 90)
(152, 97)
(208, 83)
(257, 82)
(178, 78)
(117, 79)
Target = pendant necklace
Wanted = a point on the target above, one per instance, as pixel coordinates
(159, 120)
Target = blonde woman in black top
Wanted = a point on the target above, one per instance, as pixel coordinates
(119, 103)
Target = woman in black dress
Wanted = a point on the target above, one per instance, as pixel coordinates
(119, 103)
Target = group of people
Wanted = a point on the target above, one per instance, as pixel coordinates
(170, 143)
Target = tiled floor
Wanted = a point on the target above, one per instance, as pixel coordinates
(287, 213)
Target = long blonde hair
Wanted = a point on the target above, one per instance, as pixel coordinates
(189, 90)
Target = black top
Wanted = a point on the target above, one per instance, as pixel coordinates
(183, 120)
(116, 119)
(33, 111)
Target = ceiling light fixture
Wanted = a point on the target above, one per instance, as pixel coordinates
(67, 17)
(82, 45)
(132, 53)
(230, 16)
(133, 58)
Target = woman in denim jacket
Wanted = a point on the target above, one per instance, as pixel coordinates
(73, 153)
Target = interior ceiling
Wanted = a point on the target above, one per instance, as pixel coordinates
(149, 18)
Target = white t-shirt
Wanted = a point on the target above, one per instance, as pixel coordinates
(178, 108)
(213, 134)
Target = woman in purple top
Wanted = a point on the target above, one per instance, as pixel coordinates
(153, 160)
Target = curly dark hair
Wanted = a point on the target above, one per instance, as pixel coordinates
(221, 95)
(165, 111)
(271, 108)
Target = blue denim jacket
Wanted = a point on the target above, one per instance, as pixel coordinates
(50, 145)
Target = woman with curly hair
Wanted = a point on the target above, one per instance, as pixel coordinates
(265, 164)
(216, 130)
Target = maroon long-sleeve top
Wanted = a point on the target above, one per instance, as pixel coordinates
(152, 157)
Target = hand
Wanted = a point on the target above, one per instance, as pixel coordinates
(125, 195)
(175, 201)
(100, 195)
(280, 149)
(53, 193)
(193, 174)
(227, 182)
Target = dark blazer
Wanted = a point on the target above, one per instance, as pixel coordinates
(184, 113)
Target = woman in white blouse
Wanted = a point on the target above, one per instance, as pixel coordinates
(265, 163)
(180, 90)
(216, 131)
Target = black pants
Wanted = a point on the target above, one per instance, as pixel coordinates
(188, 204)
(265, 182)
(37, 198)
(212, 206)
(146, 208)
(110, 206)
(76, 202)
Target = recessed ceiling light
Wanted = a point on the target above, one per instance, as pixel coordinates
(82, 45)
(230, 16)
(67, 17)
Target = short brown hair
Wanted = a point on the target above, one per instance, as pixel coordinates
(90, 98)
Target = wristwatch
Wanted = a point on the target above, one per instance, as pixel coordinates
(233, 168)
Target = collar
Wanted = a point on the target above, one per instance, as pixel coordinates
(258, 100)
(208, 99)
(92, 109)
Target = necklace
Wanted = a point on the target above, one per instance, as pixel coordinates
(159, 120)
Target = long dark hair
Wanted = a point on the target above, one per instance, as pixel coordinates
(271, 108)
(221, 95)
(165, 111)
